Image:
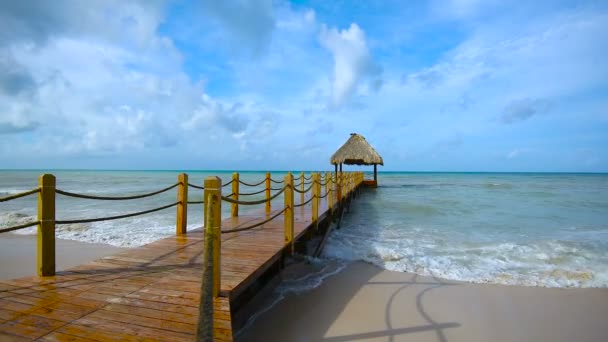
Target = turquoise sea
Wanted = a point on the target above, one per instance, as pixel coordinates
(535, 229)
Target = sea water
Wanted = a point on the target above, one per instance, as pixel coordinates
(128, 232)
(546, 230)
(524, 229)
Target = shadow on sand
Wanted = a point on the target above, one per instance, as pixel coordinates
(360, 303)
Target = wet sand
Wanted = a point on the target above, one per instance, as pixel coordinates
(18, 254)
(366, 303)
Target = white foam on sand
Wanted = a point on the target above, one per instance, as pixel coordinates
(304, 275)
(550, 263)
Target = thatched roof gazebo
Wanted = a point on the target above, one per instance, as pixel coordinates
(357, 151)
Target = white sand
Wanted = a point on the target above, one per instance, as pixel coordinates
(18, 254)
(366, 303)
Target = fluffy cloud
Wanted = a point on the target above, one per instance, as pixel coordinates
(352, 62)
(97, 78)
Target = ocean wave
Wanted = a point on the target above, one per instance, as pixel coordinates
(550, 263)
(505, 186)
(16, 218)
(10, 191)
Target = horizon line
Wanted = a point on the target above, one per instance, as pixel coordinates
(295, 170)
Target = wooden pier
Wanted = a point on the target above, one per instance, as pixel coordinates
(153, 293)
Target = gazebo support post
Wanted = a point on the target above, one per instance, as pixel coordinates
(375, 173)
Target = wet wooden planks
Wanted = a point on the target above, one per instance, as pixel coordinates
(150, 293)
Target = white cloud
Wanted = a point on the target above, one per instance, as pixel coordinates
(352, 62)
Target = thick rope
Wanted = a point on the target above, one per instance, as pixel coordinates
(325, 183)
(262, 182)
(196, 186)
(303, 203)
(23, 194)
(108, 218)
(251, 193)
(322, 197)
(303, 191)
(230, 200)
(224, 185)
(306, 183)
(275, 189)
(254, 225)
(114, 198)
(21, 226)
(309, 178)
(196, 202)
(276, 181)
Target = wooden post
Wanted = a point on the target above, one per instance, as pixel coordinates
(330, 195)
(302, 188)
(46, 227)
(210, 284)
(234, 212)
(213, 200)
(316, 193)
(289, 219)
(182, 205)
(267, 192)
(327, 181)
(339, 185)
(375, 173)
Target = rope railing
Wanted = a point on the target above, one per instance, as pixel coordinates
(21, 226)
(251, 193)
(304, 203)
(247, 184)
(108, 218)
(114, 198)
(47, 193)
(230, 200)
(19, 195)
(196, 186)
(303, 191)
(326, 194)
(254, 225)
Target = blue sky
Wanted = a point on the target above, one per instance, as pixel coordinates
(460, 85)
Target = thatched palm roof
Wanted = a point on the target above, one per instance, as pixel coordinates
(356, 151)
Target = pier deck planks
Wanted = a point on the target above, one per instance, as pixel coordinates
(150, 293)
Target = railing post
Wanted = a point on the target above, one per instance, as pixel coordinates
(210, 285)
(330, 195)
(46, 227)
(302, 180)
(182, 206)
(234, 212)
(267, 192)
(316, 193)
(213, 221)
(339, 187)
(289, 219)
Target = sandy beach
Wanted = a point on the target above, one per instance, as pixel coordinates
(366, 303)
(18, 254)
